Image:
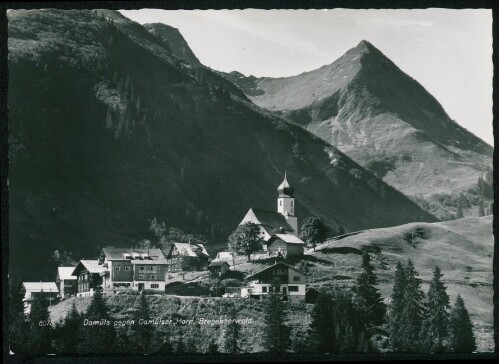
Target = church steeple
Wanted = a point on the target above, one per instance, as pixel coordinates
(286, 203)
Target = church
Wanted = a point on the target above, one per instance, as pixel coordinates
(279, 228)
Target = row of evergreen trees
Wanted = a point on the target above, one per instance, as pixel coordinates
(343, 320)
(426, 323)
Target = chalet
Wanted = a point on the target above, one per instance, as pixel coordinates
(66, 282)
(132, 270)
(282, 221)
(32, 289)
(218, 267)
(88, 274)
(279, 278)
(186, 257)
(285, 245)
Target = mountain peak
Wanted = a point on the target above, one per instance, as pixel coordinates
(366, 47)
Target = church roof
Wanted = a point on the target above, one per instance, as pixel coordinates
(285, 188)
(271, 221)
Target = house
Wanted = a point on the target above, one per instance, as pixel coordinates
(279, 278)
(219, 267)
(88, 276)
(186, 257)
(282, 221)
(132, 270)
(286, 245)
(32, 289)
(66, 282)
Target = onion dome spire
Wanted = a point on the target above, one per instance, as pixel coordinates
(285, 188)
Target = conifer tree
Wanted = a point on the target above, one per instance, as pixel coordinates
(323, 325)
(18, 327)
(481, 209)
(140, 336)
(412, 313)
(213, 347)
(40, 336)
(369, 299)
(180, 349)
(97, 338)
(71, 331)
(276, 335)
(435, 326)
(462, 339)
(396, 307)
(232, 334)
(459, 210)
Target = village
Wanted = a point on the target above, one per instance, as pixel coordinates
(152, 270)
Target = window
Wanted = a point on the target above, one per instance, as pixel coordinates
(280, 202)
(152, 267)
(117, 268)
(293, 288)
(141, 276)
(154, 285)
(127, 268)
(153, 276)
(264, 289)
(141, 268)
(296, 279)
(291, 203)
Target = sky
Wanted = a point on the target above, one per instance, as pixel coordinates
(448, 51)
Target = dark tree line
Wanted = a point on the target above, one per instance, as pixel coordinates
(426, 323)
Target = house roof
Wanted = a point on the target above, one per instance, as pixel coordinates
(271, 221)
(66, 273)
(191, 250)
(273, 266)
(288, 238)
(92, 266)
(217, 263)
(139, 255)
(40, 286)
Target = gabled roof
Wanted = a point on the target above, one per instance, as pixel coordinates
(191, 250)
(271, 221)
(112, 253)
(66, 273)
(92, 266)
(288, 238)
(273, 266)
(40, 286)
(217, 263)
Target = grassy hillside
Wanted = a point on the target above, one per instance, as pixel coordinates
(462, 248)
(108, 130)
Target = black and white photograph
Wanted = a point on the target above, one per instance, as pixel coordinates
(249, 181)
